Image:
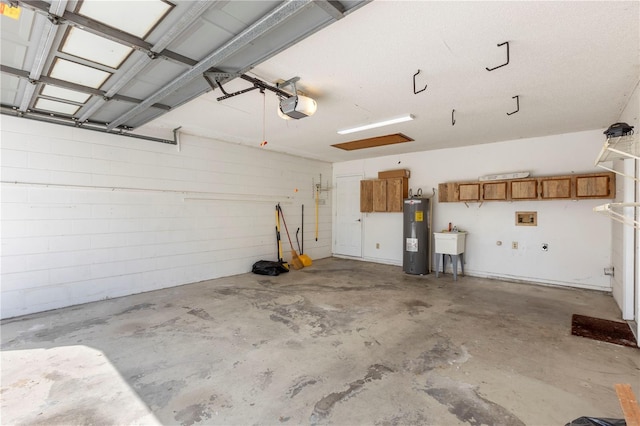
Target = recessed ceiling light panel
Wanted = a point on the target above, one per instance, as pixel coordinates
(94, 48)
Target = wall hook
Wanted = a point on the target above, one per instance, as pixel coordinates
(453, 117)
(499, 66)
(517, 98)
(414, 84)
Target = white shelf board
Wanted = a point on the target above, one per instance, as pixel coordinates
(620, 147)
(624, 213)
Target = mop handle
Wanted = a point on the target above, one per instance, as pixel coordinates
(317, 201)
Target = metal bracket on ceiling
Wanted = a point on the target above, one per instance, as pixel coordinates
(414, 84)
(453, 117)
(517, 98)
(215, 83)
(54, 19)
(215, 79)
(176, 138)
(291, 82)
(499, 66)
(334, 8)
(239, 92)
(281, 93)
(219, 77)
(18, 112)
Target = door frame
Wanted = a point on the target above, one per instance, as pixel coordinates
(359, 177)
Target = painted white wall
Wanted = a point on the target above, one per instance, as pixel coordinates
(579, 239)
(95, 216)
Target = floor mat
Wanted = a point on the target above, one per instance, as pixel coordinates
(615, 332)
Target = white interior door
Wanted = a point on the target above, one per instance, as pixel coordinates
(348, 237)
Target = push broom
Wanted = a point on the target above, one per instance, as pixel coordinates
(295, 260)
(280, 260)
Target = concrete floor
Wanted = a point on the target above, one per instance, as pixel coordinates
(341, 342)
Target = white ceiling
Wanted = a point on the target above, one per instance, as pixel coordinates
(573, 65)
(99, 65)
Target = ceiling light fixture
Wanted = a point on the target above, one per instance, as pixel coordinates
(402, 119)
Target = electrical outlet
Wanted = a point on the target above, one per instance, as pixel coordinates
(514, 245)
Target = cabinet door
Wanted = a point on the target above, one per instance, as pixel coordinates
(366, 196)
(594, 186)
(397, 191)
(447, 192)
(492, 191)
(469, 191)
(379, 195)
(524, 189)
(556, 188)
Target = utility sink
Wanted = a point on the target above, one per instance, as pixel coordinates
(449, 242)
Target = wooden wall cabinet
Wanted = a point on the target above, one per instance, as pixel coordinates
(574, 187)
(494, 191)
(524, 189)
(597, 186)
(556, 188)
(448, 192)
(379, 195)
(366, 196)
(383, 195)
(397, 191)
(469, 191)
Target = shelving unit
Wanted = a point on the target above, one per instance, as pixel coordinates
(620, 148)
(616, 212)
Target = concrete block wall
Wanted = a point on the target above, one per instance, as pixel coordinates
(87, 216)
